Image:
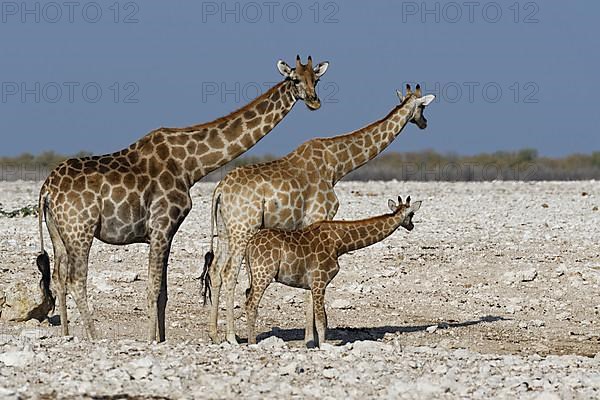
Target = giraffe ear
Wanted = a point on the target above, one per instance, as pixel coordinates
(400, 96)
(415, 206)
(426, 100)
(283, 68)
(321, 69)
(392, 205)
(418, 90)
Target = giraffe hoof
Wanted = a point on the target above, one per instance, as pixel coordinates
(214, 337)
(231, 338)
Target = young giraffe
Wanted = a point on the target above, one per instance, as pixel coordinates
(307, 258)
(291, 193)
(141, 194)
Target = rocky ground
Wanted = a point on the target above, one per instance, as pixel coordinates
(494, 294)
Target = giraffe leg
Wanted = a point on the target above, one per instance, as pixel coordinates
(309, 333)
(78, 249)
(260, 279)
(254, 296)
(79, 292)
(157, 289)
(220, 259)
(77, 282)
(215, 277)
(162, 301)
(60, 273)
(230, 275)
(318, 295)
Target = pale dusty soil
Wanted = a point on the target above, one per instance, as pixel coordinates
(461, 268)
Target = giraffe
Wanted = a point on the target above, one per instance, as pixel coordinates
(291, 193)
(141, 194)
(308, 258)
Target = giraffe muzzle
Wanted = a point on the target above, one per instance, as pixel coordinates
(313, 104)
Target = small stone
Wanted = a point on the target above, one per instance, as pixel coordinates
(143, 362)
(140, 368)
(124, 277)
(6, 339)
(341, 304)
(560, 271)
(512, 308)
(115, 258)
(31, 323)
(5, 392)
(330, 373)
(547, 396)
(364, 346)
(523, 325)
(272, 342)
(562, 316)
(537, 323)
(233, 357)
(509, 277)
(36, 333)
(288, 369)
(432, 328)
(17, 358)
(528, 275)
(101, 284)
(388, 273)
(290, 299)
(327, 347)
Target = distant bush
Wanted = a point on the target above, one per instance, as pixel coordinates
(32, 168)
(522, 165)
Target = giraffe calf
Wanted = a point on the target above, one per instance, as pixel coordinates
(307, 259)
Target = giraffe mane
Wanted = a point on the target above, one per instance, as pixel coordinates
(225, 118)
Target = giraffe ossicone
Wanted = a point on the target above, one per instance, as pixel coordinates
(141, 194)
(308, 259)
(290, 193)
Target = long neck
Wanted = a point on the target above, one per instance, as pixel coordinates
(209, 146)
(354, 235)
(347, 152)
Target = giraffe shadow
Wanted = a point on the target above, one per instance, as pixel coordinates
(343, 335)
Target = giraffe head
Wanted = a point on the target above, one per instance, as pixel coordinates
(407, 211)
(419, 102)
(305, 78)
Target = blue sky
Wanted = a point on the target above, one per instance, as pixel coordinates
(97, 76)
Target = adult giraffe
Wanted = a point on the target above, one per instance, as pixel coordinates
(291, 193)
(141, 194)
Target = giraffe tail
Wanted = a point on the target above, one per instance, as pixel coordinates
(40, 312)
(206, 292)
(210, 255)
